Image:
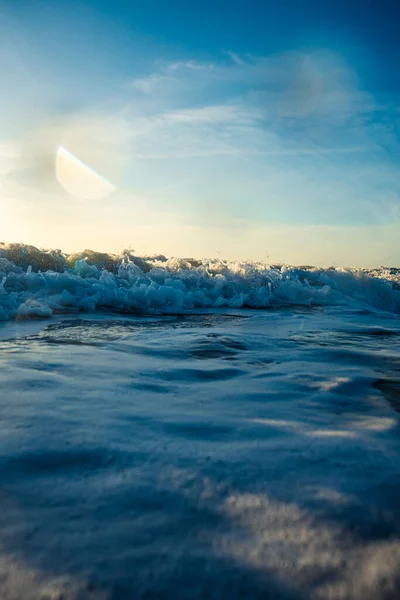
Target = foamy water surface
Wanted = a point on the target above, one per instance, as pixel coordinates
(176, 430)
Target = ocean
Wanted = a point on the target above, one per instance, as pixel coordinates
(185, 429)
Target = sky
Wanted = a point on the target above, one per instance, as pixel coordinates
(246, 129)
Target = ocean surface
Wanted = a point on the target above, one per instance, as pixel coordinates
(197, 429)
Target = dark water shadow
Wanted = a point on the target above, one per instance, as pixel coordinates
(390, 388)
(142, 544)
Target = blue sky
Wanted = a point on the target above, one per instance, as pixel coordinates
(246, 128)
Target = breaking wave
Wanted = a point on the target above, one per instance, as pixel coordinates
(39, 283)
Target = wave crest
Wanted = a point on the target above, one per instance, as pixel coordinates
(39, 283)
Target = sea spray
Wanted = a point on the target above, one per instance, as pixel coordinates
(40, 283)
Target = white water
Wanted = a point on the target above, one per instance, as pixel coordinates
(221, 452)
(130, 284)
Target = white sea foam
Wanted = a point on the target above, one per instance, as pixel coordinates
(38, 283)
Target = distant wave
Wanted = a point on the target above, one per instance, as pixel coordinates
(39, 283)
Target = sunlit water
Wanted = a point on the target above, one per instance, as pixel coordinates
(228, 454)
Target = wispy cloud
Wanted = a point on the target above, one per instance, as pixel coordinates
(223, 113)
(300, 84)
(302, 99)
(294, 119)
(235, 58)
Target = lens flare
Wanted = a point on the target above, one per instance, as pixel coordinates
(78, 179)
